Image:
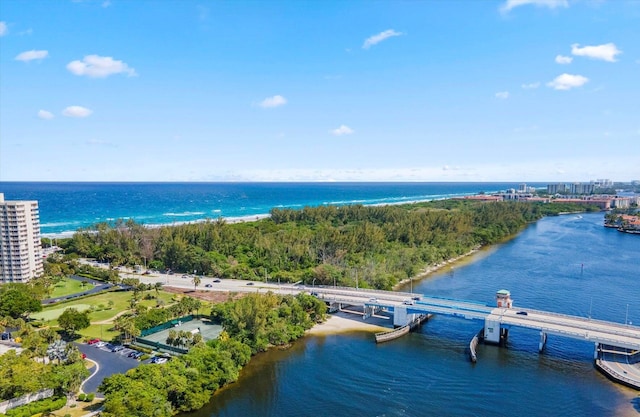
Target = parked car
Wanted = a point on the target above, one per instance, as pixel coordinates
(159, 359)
(117, 348)
(208, 285)
(137, 355)
(84, 356)
(99, 344)
(93, 341)
(132, 353)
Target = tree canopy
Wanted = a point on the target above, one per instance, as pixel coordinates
(381, 245)
(72, 319)
(187, 382)
(18, 300)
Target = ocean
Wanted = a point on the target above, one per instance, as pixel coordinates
(67, 206)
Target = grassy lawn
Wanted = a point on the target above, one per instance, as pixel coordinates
(103, 312)
(49, 314)
(69, 286)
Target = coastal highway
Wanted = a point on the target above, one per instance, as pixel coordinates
(182, 281)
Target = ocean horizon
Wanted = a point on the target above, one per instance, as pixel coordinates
(66, 207)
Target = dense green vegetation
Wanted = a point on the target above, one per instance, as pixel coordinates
(20, 374)
(187, 382)
(18, 300)
(381, 245)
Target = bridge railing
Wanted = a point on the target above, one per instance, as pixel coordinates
(580, 335)
(583, 319)
(364, 290)
(580, 324)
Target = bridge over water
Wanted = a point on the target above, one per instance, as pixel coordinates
(498, 319)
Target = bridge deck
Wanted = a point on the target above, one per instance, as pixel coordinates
(575, 327)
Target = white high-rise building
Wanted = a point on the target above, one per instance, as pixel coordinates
(20, 246)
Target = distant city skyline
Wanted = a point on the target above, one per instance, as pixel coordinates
(501, 90)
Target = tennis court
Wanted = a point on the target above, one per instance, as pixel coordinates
(208, 330)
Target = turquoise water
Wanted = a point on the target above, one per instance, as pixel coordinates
(568, 264)
(65, 207)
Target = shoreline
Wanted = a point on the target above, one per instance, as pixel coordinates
(337, 323)
(434, 268)
(251, 217)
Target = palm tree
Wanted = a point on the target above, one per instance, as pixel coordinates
(196, 281)
(127, 327)
(157, 286)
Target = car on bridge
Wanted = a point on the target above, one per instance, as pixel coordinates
(408, 302)
(522, 313)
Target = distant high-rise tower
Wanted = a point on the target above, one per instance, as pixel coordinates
(20, 246)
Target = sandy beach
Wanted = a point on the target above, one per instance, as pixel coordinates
(342, 322)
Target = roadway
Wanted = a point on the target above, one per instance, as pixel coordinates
(597, 331)
(582, 328)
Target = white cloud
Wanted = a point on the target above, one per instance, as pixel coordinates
(503, 95)
(567, 81)
(342, 130)
(606, 52)
(3, 28)
(552, 4)
(46, 115)
(375, 39)
(31, 55)
(96, 66)
(271, 102)
(450, 168)
(531, 86)
(26, 32)
(76, 111)
(561, 59)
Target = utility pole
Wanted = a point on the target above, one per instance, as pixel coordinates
(626, 321)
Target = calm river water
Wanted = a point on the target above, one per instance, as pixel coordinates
(568, 264)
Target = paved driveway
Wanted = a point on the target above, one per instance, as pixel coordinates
(98, 287)
(108, 362)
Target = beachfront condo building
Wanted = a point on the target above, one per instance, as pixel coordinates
(20, 246)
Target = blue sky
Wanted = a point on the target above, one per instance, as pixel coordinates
(509, 90)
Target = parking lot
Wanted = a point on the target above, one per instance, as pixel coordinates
(109, 363)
